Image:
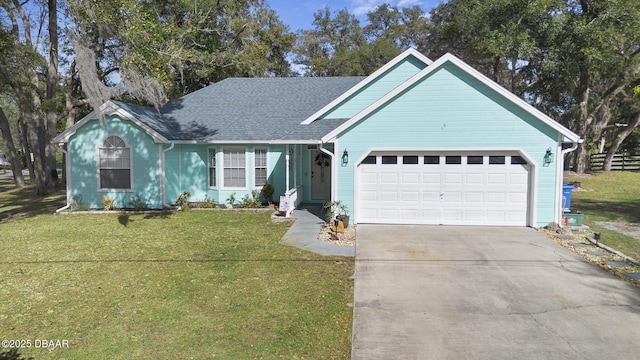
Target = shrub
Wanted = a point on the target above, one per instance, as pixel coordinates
(231, 199)
(334, 209)
(252, 201)
(109, 203)
(77, 204)
(182, 200)
(267, 192)
(210, 203)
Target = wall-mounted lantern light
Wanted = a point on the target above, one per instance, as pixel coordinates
(345, 157)
(548, 157)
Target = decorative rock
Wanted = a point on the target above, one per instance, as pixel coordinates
(339, 228)
(634, 276)
(614, 263)
(552, 226)
(580, 245)
(596, 253)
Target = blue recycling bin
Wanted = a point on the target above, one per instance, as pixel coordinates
(567, 192)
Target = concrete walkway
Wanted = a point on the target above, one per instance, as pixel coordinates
(303, 234)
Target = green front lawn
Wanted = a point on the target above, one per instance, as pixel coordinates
(611, 196)
(193, 284)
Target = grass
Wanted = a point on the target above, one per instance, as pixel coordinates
(611, 196)
(185, 285)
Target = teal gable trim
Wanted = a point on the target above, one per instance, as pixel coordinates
(373, 91)
(448, 109)
(83, 151)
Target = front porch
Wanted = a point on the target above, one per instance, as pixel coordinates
(309, 174)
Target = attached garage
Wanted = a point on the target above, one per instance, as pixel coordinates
(448, 188)
(443, 145)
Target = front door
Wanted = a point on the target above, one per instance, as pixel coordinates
(320, 175)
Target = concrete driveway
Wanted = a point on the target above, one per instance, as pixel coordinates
(449, 292)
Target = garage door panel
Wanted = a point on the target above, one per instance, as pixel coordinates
(431, 197)
(368, 214)
(389, 196)
(496, 216)
(431, 178)
(367, 177)
(496, 197)
(474, 179)
(497, 179)
(368, 195)
(456, 194)
(410, 214)
(518, 179)
(517, 216)
(389, 178)
(388, 214)
(411, 178)
(474, 215)
(453, 217)
(452, 197)
(517, 198)
(411, 196)
(431, 216)
(453, 178)
(474, 197)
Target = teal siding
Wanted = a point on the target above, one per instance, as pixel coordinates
(83, 151)
(187, 169)
(306, 174)
(366, 96)
(450, 109)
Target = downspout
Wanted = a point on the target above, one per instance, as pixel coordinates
(287, 165)
(333, 171)
(67, 178)
(563, 152)
(163, 194)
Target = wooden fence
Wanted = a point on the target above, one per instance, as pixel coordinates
(620, 162)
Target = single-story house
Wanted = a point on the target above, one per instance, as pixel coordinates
(416, 142)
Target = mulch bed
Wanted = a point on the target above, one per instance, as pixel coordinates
(348, 238)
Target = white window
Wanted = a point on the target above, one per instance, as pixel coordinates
(114, 164)
(260, 167)
(212, 168)
(234, 168)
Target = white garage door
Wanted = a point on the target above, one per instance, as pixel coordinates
(449, 189)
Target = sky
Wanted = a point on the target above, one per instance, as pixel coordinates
(298, 14)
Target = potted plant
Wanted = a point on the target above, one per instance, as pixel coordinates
(338, 211)
(343, 214)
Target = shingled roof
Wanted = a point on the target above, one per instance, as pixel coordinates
(247, 109)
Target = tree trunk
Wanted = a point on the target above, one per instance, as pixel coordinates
(580, 155)
(25, 148)
(619, 138)
(52, 82)
(12, 155)
(37, 136)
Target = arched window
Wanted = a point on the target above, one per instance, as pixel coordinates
(114, 164)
